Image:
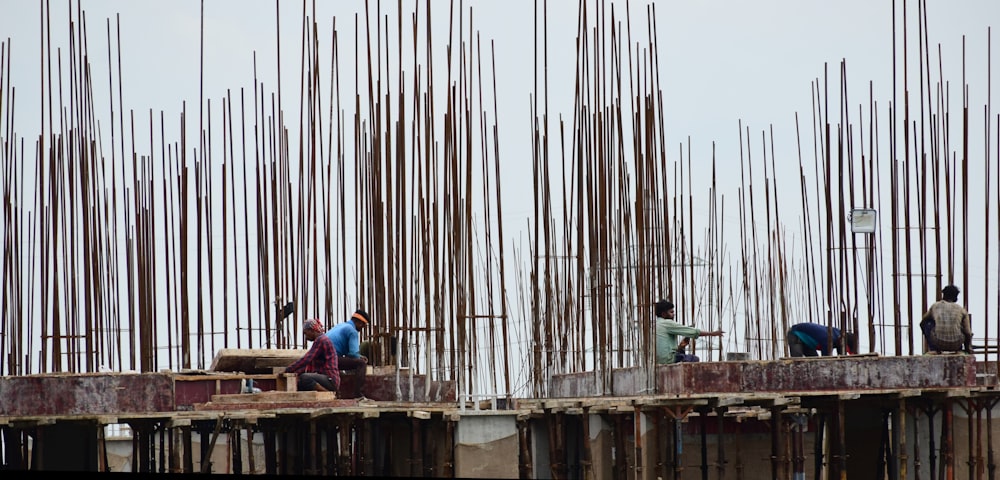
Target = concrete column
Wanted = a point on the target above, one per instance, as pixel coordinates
(486, 446)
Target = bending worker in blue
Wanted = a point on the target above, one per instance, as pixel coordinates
(346, 339)
(811, 340)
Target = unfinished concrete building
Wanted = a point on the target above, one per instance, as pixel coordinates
(158, 266)
(862, 416)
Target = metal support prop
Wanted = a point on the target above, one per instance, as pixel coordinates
(364, 440)
(991, 463)
(841, 459)
(658, 432)
(973, 446)
(345, 465)
(416, 455)
(931, 448)
(162, 430)
(899, 443)
(638, 439)
(236, 444)
(271, 451)
(885, 445)
(188, 449)
(587, 461)
(798, 447)
(525, 468)
(449, 466)
(252, 467)
(311, 448)
(819, 441)
(948, 465)
(980, 464)
(720, 444)
(678, 449)
(557, 461)
(102, 448)
(206, 455)
(676, 442)
(739, 448)
(621, 462)
(703, 423)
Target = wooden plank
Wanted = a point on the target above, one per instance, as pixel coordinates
(286, 382)
(266, 364)
(727, 401)
(254, 360)
(274, 397)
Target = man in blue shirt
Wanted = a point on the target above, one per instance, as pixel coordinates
(346, 339)
(811, 340)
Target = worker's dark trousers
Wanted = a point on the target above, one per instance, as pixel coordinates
(353, 366)
(308, 381)
(796, 348)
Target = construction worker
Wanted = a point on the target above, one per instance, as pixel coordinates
(346, 338)
(317, 369)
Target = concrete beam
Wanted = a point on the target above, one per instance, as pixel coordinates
(835, 374)
(86, 394)
(824, 374)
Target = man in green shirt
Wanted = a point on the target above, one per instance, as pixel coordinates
(667, 331)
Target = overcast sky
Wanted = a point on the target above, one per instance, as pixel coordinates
(721, 63)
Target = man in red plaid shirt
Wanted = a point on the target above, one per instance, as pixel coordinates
(318, 368)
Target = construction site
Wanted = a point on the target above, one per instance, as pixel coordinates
(158, 265)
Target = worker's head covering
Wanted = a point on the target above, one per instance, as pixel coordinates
(950, 292)
(360, 316)
(314, 325)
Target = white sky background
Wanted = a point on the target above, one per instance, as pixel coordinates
(721, 63)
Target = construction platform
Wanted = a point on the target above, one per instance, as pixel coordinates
(863, 416)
